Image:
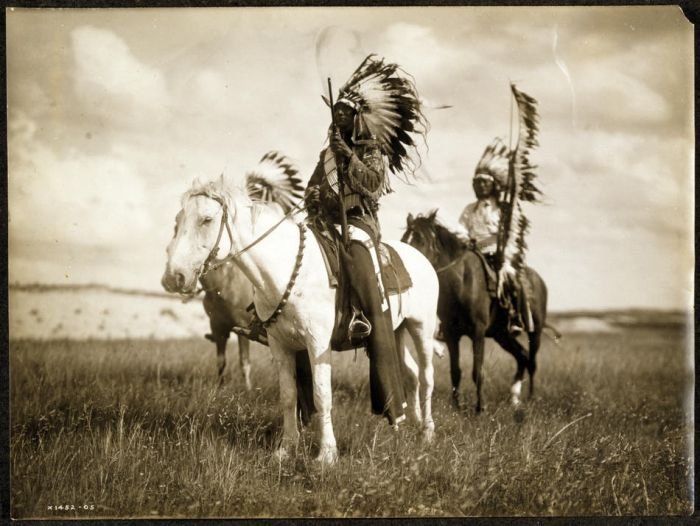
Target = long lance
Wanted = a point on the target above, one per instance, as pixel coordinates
(341, 182)
(508, 202)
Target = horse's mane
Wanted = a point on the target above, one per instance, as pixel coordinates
(445, 240)
(231, 191)
(218, 189)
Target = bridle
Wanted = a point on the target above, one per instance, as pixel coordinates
(211, 263)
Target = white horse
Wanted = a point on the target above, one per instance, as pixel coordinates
(284, 262)
(227, 291)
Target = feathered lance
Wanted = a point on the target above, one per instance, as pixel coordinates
(521, 187)
(341, 183)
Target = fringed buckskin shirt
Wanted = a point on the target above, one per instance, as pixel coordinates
(480, 220)
(364, 179)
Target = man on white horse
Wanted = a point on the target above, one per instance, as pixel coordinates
(376, 109)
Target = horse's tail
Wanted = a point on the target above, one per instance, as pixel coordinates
(556, 335)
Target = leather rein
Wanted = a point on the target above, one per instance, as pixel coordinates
(452, 263)
(210, 263)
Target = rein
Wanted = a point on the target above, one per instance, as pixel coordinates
(292, 279)
(208, 265)
(452, 263)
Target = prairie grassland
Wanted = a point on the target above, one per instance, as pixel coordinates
(140, 429)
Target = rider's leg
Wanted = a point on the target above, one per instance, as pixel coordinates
(386, 387)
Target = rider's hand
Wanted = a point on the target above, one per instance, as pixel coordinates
(313, 194)
(339, 146)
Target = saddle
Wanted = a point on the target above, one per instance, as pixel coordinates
(348, 314)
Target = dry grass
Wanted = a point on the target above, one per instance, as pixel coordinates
(139, 429)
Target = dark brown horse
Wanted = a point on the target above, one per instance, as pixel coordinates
(465, 306)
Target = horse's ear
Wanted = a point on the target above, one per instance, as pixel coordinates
(409, 219)
(433, 214)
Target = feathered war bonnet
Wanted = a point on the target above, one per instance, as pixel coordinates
(494, 163)
(388, 110)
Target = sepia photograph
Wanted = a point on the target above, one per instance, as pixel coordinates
(350, 262)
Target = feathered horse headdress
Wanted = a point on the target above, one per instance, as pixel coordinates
(520, 187)
(275, 179)
(388, 110)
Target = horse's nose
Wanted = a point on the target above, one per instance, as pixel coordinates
(173, 281)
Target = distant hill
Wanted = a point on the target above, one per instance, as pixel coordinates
(628, 317)
(96, 311)
(101, 311)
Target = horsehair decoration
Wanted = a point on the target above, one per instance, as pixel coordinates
(275, 179)
(521, 185)
(388, 109)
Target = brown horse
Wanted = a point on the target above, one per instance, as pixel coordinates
(227, 294)
(465, 306)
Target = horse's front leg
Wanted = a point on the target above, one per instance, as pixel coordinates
(285, 362)
(244, 360)
(323, 400)
(452, 342)
(219, 335)
(478, 344)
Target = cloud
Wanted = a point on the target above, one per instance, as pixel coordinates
(118, 122)
(611, 97)
(75, 198)
(112, 82)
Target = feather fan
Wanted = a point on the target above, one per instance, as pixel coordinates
(275, 179)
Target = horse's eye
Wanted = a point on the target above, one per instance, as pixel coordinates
(206, 220)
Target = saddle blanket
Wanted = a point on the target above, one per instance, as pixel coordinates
(393, 271)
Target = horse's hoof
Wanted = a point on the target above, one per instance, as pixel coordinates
(327, 456)
(428, 434)
(519, 415)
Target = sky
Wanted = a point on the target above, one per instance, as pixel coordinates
(112, 113)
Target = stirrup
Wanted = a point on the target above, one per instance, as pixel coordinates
(359, 326)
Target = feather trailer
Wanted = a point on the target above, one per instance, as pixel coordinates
(389, 111)
(520, 188)
(275, 179)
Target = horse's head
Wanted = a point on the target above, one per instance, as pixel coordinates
(420, 234)
(202, 229)
(430, 237)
